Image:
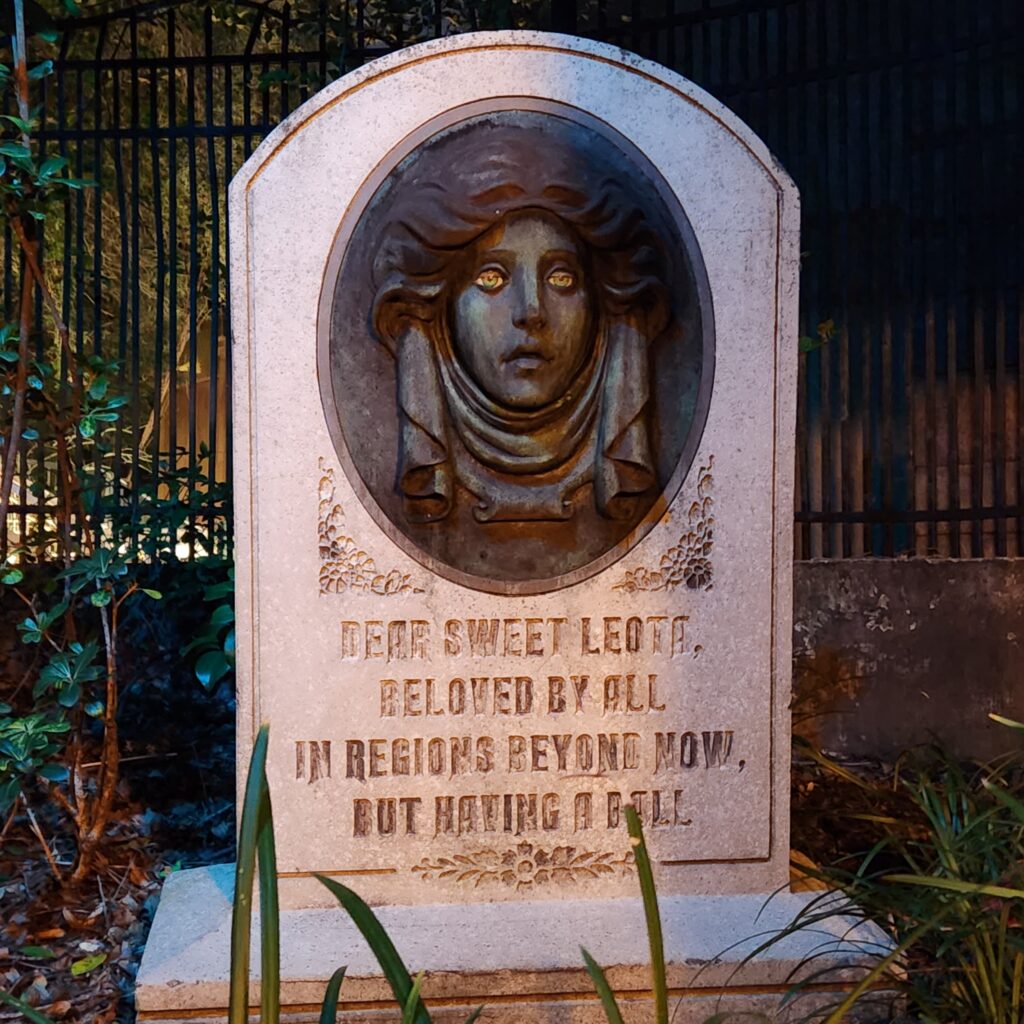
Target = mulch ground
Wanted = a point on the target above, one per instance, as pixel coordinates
(73, 955)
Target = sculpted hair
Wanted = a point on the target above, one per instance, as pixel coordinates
(451, 192)
(445, 196)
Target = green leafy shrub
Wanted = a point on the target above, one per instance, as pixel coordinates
(943, 875)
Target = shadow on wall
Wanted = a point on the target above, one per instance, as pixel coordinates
(888, 654)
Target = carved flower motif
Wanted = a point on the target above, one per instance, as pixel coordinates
(688, 562)
(524, 866)
(698, 574)
(343, 564)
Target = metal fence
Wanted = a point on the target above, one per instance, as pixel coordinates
(900, 121)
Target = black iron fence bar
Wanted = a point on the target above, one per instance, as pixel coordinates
(892, 118)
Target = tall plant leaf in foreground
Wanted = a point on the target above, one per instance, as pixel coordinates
(383, 948)
(30, 1015)
(256, 835)
(409, 1010)
(329, 1009)
(654, 936)
(604, 990)
(653, 917)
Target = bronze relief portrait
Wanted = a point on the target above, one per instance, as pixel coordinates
(517, 349)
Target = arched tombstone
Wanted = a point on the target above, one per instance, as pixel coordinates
(514, 352)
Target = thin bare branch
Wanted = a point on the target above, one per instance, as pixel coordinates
(42, 840)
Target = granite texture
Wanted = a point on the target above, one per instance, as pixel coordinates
(323, 593)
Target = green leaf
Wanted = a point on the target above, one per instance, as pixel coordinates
(409, 1010)
(9, 791)
(604, 990)
(30, 434)
(1006, 798)
(12, 576)
(270, 923)
(69, 696)
(956, 885)
(650, 898)
(52, 165)
(13, 149)
(155, 594)
(222, 615)
(34, 382)
(98, 388)
(87, 426)
(211, 668)
(87, 964)
(473, 1016)
(38, 952)
(329, 1008)
(241, 912)
(380, 944)
(53, 772)
(41, 70)
(33, 1016)
(94, 709)
(23, 126)
(1006, 721)
(100, 599)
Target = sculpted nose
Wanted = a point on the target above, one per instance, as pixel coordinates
(527, 313)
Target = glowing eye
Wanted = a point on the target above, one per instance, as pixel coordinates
(489, 280)
(561, 279)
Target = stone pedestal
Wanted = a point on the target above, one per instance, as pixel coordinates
(476, 953)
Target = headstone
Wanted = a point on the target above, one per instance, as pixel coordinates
(514, 349)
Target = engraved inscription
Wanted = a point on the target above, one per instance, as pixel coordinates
(504, 752)
(312, 760)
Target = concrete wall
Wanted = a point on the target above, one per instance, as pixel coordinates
(888, 654)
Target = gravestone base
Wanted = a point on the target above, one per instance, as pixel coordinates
(520, 959)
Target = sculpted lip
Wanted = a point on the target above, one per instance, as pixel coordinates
(526, 358)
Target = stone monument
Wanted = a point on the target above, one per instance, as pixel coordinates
(514, 347)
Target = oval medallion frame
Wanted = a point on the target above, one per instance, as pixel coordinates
(335, 265)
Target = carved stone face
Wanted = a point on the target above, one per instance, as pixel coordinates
(522, 311)
(520, 348)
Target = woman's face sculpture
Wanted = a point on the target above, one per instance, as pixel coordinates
(518, 322)
(522, 311)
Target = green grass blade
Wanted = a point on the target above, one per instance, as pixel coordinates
(838, 1015)
(471, 1019)
(1006, 721)
(955, 885)
(270, 923)
(650, 898)
(409, 1010)
(1005, 797)
(329, 1009)
(241, 912)
(611, 1008)
(383, 948)
(29, 1014)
